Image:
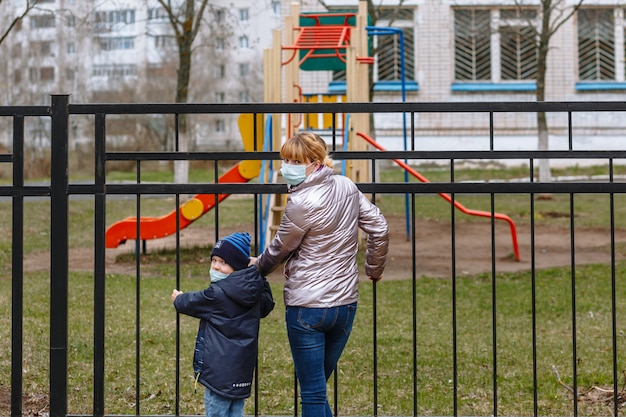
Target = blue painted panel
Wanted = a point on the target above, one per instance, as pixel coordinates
(488, 87)
(600, 85)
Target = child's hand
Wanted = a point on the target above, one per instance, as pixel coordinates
(175, 294)
(253, 260)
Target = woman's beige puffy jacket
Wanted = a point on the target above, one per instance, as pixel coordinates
(318, 238)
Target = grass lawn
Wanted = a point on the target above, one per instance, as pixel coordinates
(482, 324)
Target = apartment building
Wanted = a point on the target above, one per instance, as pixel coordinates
(448, 51)
(126, 51)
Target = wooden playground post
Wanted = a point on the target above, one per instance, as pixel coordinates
(357, 89)
(357, 83)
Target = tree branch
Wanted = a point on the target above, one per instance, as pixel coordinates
(14, 22)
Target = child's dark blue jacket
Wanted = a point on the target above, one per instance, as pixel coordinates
(227, 343)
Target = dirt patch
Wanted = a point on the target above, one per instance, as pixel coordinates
(32, 404)
(434, 246)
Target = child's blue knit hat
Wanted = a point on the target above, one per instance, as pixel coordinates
(234, 250)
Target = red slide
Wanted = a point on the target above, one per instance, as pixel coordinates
(157, 227)
(449, 199)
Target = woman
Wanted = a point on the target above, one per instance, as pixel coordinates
(318, 238)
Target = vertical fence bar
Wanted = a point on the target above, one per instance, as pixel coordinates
(494, 307)
(375, 321)
(414, 304)
(613, 297)
(455, 376)
(99, 297)
(533, 279)
(177, 204)
(59, 245)
(138, 296)
(17, 269)
(574, 330)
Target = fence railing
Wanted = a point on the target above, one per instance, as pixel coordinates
(61, 188)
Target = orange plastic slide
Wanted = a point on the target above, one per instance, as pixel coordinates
(449, 199)
(157, 227)
(192, 209)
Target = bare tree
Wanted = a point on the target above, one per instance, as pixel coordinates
(186, 20)
(30, 4)
(552, 15)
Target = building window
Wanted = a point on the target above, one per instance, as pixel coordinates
(42, 48)
(46, 73)
(114, 20)
(509, 54)
(388, 46)
(16, 51)
(276, 8)
(243, 41)
(114, 71)
(220, 126)
(70, 21)
(244, 70)
(597, 45)
(219, 15)
(42, 21)
(243, 15)
(244, 97)
(71, 48)
(220, 71)
(164, 41)
(220, 97)
(116, 43)
(157, 13)
(518, 44)
(388, 57)
(219, 44)
(41, 74)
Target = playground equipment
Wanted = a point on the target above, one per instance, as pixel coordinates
(313, 42)
(457, 205)
(336, 41)
(192, 209)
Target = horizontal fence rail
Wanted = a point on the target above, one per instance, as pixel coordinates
(498, 372)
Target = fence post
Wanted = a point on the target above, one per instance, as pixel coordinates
(17, 270)
(59, 261)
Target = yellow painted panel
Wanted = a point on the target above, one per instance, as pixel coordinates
(246, 128)
(310, 119)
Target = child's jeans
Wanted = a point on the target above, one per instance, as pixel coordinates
(218, 406)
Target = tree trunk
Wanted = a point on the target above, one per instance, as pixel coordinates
(181, 168)
(543, 145)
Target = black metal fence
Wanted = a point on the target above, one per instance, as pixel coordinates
(60, 189)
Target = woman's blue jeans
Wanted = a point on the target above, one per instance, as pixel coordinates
(217, 406)
(317, 337)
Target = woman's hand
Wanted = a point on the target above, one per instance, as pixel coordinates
(375, 279)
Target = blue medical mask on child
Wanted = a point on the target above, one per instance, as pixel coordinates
(294, 174)
(217, 275)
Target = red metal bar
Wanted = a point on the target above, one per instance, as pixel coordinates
(447, 197)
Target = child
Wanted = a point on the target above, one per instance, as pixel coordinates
(229, 311)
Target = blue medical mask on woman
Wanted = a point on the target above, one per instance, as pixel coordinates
(294, 174)
(217, 275)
